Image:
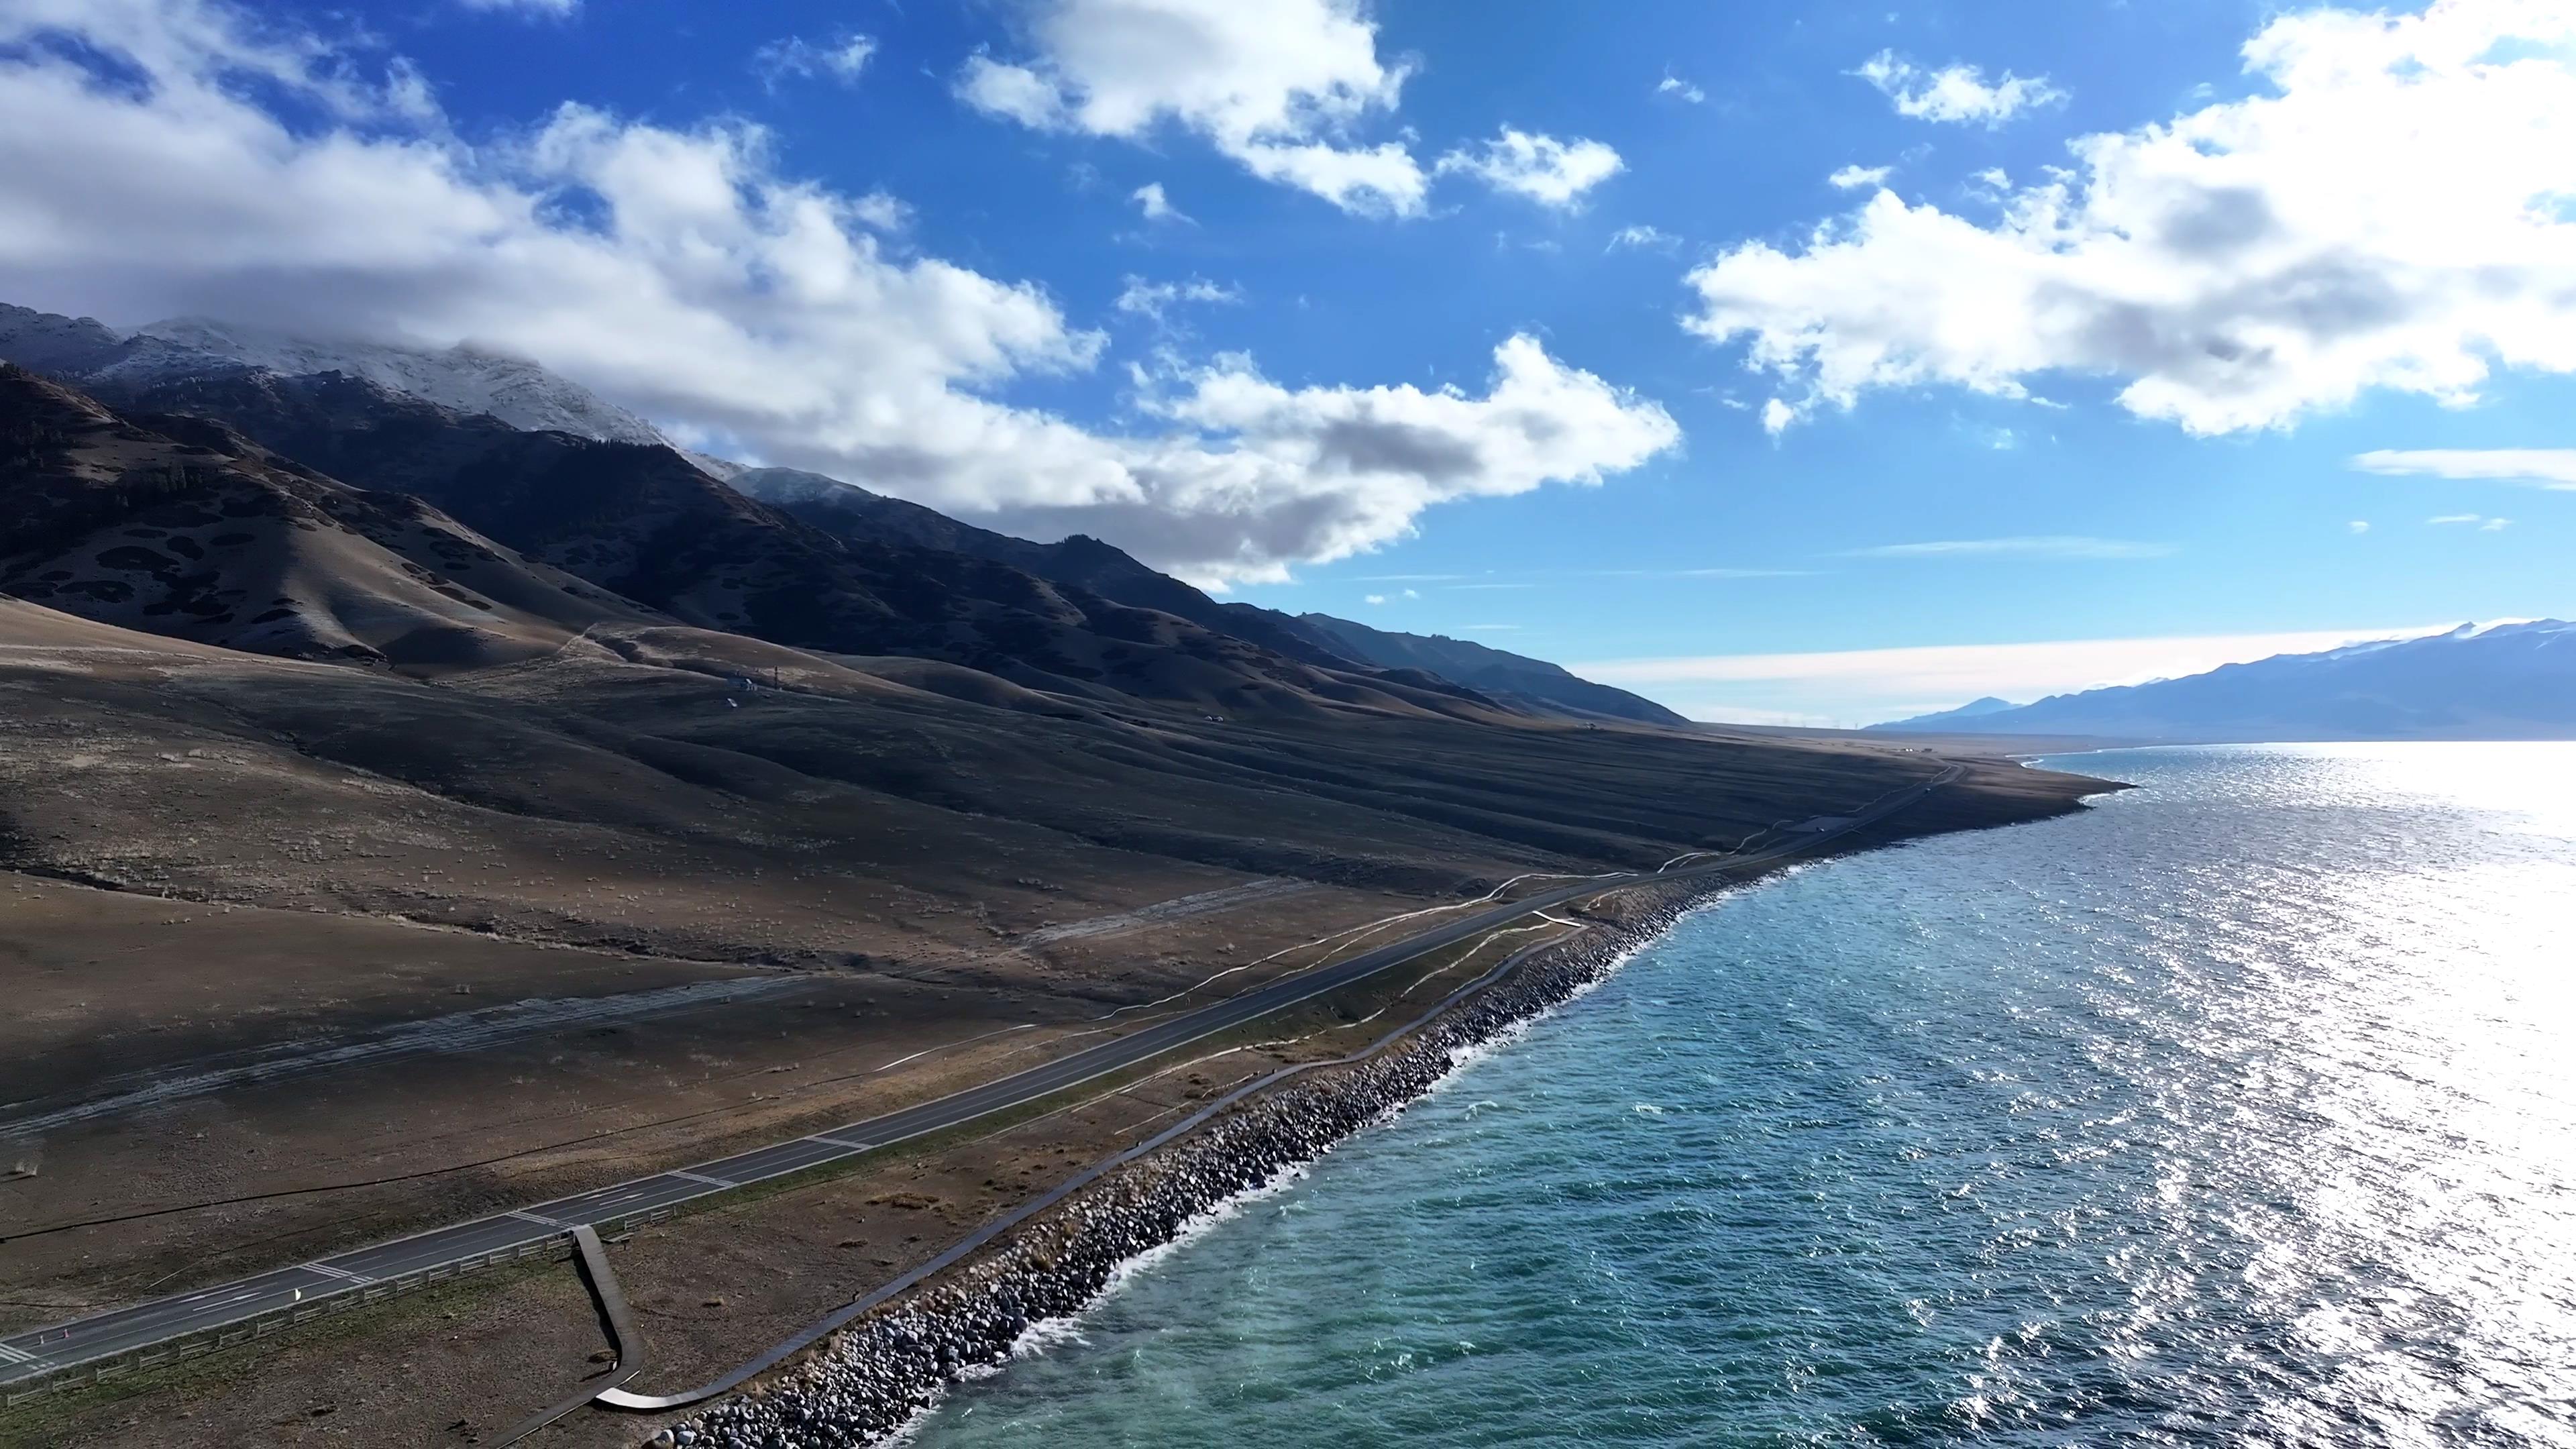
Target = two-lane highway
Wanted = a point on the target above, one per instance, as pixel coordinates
(40, 1353)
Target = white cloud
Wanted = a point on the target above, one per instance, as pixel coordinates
(1149, 199)
(1543, 169)
(2392, 214)
(1854, 177)
(1861, 685)
(2495, 525)
(1644, 238)
(1777, 416)
(839, 59)
(2539, 467)
(2359, 525)
(1276, 87)
(680, 272)
(2033, 546)
(544, 9)
(1373, 598)
(1674, 86)
(1955, 93)
(2479, 521)
(1153, 299)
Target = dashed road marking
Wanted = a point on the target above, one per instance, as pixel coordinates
(534, 1217)
(701, 1177)
(343, 1274)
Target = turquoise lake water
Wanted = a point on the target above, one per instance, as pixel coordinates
(2240, 1108)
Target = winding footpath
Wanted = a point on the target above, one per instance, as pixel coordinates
(210, 1316)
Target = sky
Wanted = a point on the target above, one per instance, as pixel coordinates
(1816, 364)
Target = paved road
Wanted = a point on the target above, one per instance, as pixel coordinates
(40, 1352)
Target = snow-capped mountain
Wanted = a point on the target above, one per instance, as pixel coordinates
(470, 380)
(2492, 682)
(466, 378)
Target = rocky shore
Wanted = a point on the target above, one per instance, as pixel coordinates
(875, 1375)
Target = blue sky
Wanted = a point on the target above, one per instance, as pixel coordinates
(1557, 332)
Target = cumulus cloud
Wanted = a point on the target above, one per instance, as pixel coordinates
(679, 271)
(1276, 87)
(1853, 178)
(1153, 299)
(1955, 93)
(839, 59)
(1150, 200)
(2390, 213)
(1543, 169)
(2539, 467)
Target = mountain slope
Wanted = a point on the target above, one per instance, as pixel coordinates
(646, 524)
(855, 513)
(177, 526)
(2512, 681)
(1513, 678)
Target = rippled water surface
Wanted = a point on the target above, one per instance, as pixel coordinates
(2240, 1108)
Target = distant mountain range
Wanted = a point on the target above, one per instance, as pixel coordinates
(137, 443)
(2507, 681)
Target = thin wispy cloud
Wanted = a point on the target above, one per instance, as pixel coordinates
(1707, 573)
(2538, 467)
(2034, 546)
(2478, 521)
(841, 59)
(1958, 94)
(1679, 89)
(1853, 178)
(1154, 299)
(534, 9)
(1642, 238)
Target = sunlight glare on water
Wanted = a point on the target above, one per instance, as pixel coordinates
(2240, 1108)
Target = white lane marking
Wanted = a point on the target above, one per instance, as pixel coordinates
(15, 1355)
(838, 1141)
(533, 1217)
(700, 1177)
(343, 1274)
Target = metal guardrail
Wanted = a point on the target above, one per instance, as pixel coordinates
(107, 1368)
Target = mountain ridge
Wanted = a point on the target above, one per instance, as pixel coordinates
(2504, 681)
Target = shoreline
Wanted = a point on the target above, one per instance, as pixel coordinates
(897, 1352)
(1147, 1201)
(869, 1380)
